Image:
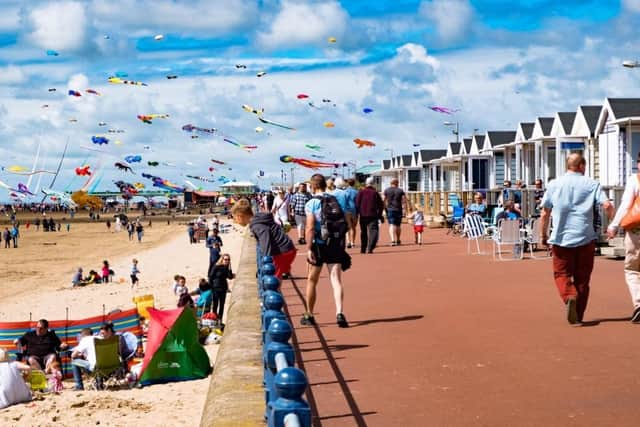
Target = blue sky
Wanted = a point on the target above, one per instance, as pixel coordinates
(500, 62)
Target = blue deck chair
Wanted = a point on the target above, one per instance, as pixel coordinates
(455, 221)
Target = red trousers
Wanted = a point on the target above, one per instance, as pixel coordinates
(283, 262)
(572, 269)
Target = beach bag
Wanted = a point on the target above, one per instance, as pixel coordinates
(333, 224)
(631, 220)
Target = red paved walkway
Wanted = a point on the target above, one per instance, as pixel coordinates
(440, 338)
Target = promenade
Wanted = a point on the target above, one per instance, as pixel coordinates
(442, 338)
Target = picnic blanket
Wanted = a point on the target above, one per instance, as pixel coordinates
(68, 331)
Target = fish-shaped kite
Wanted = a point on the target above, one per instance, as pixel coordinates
(363, 143)
(83, 170)
(443, 110)
(328, 124)
(92, 91)
(118, 80)
(312, 164)
(148, 118)
(116, 130)
(133, 159)
(74, 93)
(313, 147)
(272, 123)
(247, 148)
(200, 130)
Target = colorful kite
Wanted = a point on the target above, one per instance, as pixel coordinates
(148, 118)
(247, 148)
(313, 147)
(200, 178)
(21, 170)
(99, 140)
(123, 167)
(92, 91)
(302, 96)
(52, 53)
(443, 110)
(139, 185)
(74, 93)
(133, 159)
(328, 124)
(272, 123)
(83, 171)
(332, 40)
(118, 80)
(203, 131)
(363, 143)
(250, 109)
(312, 164)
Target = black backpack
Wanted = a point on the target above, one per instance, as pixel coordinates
(333, 225)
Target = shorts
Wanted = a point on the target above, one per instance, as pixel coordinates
(134, 279)
(352, 219)
(418, 228)
(394, 217)
(43, 361)
(283, 262)
(301, 220)
(328, 254)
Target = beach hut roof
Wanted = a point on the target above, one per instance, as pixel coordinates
(566, 119)
(500, 137)
(527, 129)
(546, 123)
(428, 155)
(625, 107)
(591, 114)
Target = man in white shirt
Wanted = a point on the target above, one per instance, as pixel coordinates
(83, 357)
(280, 209)
(631, 243)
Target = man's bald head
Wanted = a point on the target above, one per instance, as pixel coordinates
(576, 163)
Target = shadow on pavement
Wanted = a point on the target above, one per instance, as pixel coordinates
(596, 322)
(357, 323)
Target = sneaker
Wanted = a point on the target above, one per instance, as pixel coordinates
(342, 321)
(286, 276)
(307, 320)
(636, 315)
(572, 314)
(393, 243)
(349, 245)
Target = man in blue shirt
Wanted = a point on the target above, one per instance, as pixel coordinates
(572, 198)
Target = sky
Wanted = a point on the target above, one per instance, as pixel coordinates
(499, 62)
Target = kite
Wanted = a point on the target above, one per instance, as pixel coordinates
(250, 109)
(52, 53)
(261, 73)
(121, 74)
(218, 162)
(83, 171)
(123, 167)
(52, 89)
(117, 142)
(158, 37)
(272, 123)
(148, 118)
(63, 198)
(167, 185)
(302, 96)
(118, 80)
(317, 156)
(200, 178)
(367, 110)
(308, 163)
(204, 131)
(312, 105)
(363, 143)
(139, 185)
(443, 110)
(72, 120)
(332, 40)
(172, 77)
(328, 124)
(313, 147)
(93, 91)
(45, 106)
(194, 137)
(21, 170)
(416, 145)
(133, 159)
(102, 123)
(22, 189)
(74, 93)
(149, 176)
(169, 164)
(191, 185)
(247, 148)
(146, 147)
(189, 163)
(107, 37)
(211, 169)
(241, 66)
(99, 140)
(153, 164)
(116, 130)
(326, 100)
(259, 129)
(128, 190)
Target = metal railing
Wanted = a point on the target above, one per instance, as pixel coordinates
(284, 383)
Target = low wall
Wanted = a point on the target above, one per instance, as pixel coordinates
(236, 392)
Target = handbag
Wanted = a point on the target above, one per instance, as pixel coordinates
(631, 220)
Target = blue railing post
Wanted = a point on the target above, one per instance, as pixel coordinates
(272, 303)
(290, 384)
(279, 333)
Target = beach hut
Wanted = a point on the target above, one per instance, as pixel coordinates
(173, 351)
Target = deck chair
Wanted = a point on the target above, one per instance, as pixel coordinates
(508, 233)
(454, 223)
(108, 363)
(534, 237)
(37, 380)
(474, 229)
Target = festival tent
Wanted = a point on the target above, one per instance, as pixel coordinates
(173, 351)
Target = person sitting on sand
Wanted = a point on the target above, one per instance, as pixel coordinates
(40, 345)
(77, 280)
(185, 300)
(92, 278)
(13, 389)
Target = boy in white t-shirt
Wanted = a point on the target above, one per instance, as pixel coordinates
(83, 357)
(417, 217)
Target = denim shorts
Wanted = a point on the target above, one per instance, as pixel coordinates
(394, 217)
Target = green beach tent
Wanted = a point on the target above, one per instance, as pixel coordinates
(173, 351)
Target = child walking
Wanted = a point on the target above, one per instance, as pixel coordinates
(134, 273)
(417, 218)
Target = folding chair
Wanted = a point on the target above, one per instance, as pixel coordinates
(108, 363)
(474, 229)
(534, 237)
(455, 222)
(508, 233)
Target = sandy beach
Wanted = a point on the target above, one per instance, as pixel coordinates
(37, 280)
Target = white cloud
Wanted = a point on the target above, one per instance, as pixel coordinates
(631, 5)
(61, 26)
(9, 18)
(303, 24)
(11, 75)
(452, 18)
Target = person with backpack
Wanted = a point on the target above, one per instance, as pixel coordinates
(326, 230)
